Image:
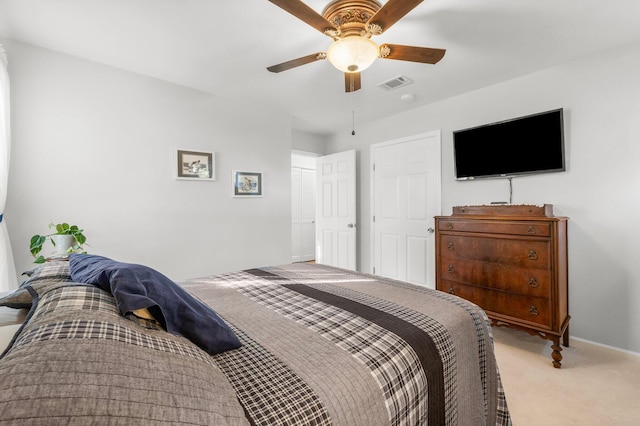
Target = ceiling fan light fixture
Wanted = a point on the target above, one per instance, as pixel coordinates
(352, 54)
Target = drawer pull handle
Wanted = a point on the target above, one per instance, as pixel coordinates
(451, 247)
(451, 269)
(531, 229)
(533, 283)
(452, 291)
(533, 255)
(449, 226)
(534, 311)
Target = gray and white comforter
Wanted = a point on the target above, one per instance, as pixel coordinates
(320, 346)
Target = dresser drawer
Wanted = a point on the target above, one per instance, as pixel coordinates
(510, 252)
(535, 310)
(494, 227)
(515, 279)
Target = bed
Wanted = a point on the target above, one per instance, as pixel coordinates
(317, 346)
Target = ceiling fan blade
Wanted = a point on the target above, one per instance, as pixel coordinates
(425, 55)
(392, 11)
(352, 81)
(297, 62)
(304, 13)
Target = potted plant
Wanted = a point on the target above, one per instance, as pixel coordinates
(67, 239)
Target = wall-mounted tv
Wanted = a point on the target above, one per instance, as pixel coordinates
(520, 146)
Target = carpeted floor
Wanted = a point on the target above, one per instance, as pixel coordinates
(595, 386)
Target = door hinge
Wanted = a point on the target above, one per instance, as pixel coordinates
(374, 269)
(374, 167)
(374, 219)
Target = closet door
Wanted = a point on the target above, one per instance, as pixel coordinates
(405, 198)
(296, 213)
(308, 215)
(303, 212)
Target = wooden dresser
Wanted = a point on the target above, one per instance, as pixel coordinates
(511, 260)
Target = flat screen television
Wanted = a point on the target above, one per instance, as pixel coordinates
(520, 146)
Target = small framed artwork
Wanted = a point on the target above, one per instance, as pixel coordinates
(247, 184)
(195, 165)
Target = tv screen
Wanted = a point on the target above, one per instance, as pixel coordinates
(524, 145)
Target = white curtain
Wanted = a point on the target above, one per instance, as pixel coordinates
(8, 278)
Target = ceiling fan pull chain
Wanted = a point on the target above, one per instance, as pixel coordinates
(353, 110)
(353, 122)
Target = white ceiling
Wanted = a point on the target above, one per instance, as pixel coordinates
(224, 47)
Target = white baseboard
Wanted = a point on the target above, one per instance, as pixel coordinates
(602, 345)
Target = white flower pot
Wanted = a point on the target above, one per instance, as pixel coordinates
(63, 243)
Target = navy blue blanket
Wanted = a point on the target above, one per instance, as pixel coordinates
(137, 287)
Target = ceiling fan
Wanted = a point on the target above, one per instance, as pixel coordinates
(351, 23)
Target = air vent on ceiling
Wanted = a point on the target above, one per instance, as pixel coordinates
(395, 82)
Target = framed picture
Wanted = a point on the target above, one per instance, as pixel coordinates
(195, 165)
(247, 184)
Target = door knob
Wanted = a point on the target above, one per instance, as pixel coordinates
(431, 230)
(351, 225)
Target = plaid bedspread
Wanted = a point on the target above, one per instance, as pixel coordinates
(321, 346)
(429, 354)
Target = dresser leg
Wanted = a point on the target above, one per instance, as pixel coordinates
(565, 338)
(556, 354)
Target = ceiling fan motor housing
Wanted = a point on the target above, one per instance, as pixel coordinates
(351, 17)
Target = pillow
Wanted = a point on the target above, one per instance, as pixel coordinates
(56, 270)
(50, 273)
(138, 287)
(19, 299)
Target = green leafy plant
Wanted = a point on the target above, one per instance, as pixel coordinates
(37, 241)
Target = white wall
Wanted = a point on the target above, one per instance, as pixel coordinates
(599, 192)
(94, 146)
(308, 142)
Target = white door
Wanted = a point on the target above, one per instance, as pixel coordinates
(303, 214)
(308, 216)
(303, 206)
(405, 198)
(296, 213)
(336, 210)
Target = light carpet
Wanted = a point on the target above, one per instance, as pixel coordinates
(595, 386)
